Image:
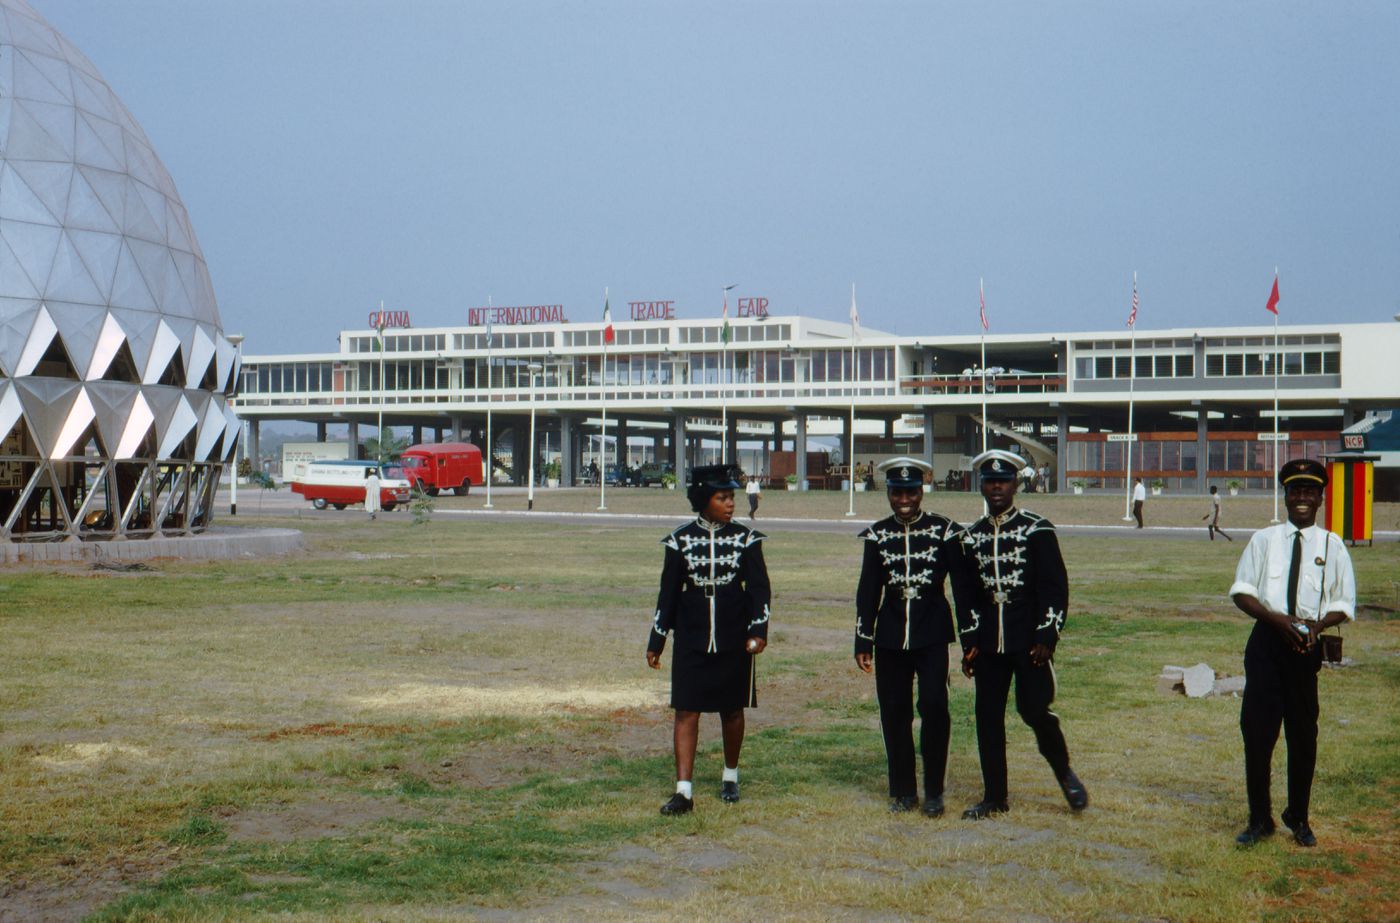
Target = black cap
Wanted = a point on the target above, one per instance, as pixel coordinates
(904, 472)
(1302, 471)
(716, 477)
(998, 465)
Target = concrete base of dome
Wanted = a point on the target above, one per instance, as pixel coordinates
(214, 544)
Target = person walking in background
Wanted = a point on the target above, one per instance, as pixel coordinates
(1295, 580)
(1139, 498)
(752, 491)
(904, 626)
(1009, 622)
(372, 492)
(715, 597)
(1214, 515)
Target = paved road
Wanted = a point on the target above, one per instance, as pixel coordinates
(282, 503)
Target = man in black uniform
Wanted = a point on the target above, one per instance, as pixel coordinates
(903, 617)
(1009, 624)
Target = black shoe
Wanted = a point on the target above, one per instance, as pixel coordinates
(1075, 792)
(729, 792)
(1255, 832)
(679, 804)
(1302, 833)
(985, 809)
(904, 803)
(933, 807)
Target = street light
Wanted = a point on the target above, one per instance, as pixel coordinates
(535, 369)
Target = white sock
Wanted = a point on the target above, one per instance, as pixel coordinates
(683, 788)
(730, 775)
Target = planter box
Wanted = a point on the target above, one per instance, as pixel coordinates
(1234, 491)
(1156, 491)
(551, 482)
(1079, 490)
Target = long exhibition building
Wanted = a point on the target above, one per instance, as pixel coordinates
(1202, 400)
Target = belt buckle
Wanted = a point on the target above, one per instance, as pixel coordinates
(1001, 596)
(911, 592)
(709, 589)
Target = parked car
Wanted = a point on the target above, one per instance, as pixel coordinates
(650, 473)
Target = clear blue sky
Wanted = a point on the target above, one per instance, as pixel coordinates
(432, 153)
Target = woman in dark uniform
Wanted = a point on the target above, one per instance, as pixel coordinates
(715, 597)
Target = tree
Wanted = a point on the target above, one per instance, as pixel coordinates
(387, 451)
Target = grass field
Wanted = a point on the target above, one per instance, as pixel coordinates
(454, 719)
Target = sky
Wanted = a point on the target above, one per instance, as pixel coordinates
(430, 155)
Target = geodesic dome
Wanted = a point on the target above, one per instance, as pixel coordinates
(114, 370)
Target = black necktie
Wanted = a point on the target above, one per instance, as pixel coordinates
(1295, 566)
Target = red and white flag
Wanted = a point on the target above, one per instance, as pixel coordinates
(1272, 304)
(608, 334)
(982, 303)
(1132, 315)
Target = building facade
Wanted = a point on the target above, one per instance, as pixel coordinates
(1202, 400)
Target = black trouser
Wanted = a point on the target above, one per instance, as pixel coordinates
(753, 504)
(1137, 512)
(1280, 688)
(895, 671)
(1035, 690)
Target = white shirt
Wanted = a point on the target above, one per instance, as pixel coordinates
(372, 494)
(1139, 492)
(752, 486)
(1263, 572)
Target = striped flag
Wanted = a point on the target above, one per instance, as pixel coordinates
(1272, 305)
(982, 303)
(608, 334)
(1132, 315)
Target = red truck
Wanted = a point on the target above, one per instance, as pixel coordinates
(438, 466)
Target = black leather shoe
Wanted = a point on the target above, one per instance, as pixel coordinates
(1075, 792)
(933, 807)
(1255, 832)
(729, 792)
(1302, 833)
(904, 803)
(679, 804)
(985, 809)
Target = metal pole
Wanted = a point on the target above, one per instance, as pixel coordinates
(851, 458)
(490, 450)
(1128, 446)
(1275, 448)
(383, 389)
(530, 491)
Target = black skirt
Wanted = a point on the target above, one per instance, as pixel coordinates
(722, 682)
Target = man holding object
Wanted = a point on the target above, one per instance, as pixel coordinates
(1295, 580)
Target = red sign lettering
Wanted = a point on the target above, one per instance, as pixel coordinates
(381, 319)
(517, 316)
(753, 307)
(652, 310)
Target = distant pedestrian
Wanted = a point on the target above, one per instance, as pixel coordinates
(1044, 478)
(1214, 515)
(372, 492)
(751, 490)
(1139, 498)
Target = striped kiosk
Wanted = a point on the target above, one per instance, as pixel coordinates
(1349, 490)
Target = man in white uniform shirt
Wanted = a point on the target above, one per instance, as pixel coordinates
(1295, 580)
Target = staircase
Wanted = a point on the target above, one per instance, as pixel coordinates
(1039, 452)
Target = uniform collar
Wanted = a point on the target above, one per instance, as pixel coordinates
(708, 526)
(1006, 515)
(918, 516)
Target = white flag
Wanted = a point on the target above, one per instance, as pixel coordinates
(855, 315)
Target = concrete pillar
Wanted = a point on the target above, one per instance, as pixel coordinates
(520, 453)
(254, 451)
(889, 429)
(678, 449)
(799, 447)
(765, 462)
(1348, 415)
(566, 451)
(321, 431)
(1061, 448)
(622, 458)
(456, 423)
(730, 450)
(1202, 451)
(417, 434)
(352, 435)
(928, 443)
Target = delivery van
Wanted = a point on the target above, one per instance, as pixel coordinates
(439, 466)
(342, 483)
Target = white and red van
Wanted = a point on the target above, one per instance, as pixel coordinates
(342, 483)
(439, 466)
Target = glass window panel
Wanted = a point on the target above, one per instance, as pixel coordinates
(1120, 367)
(1331, 363)
(1185, 366)
(1144, 366)
(1234, 364)
(1163, 367)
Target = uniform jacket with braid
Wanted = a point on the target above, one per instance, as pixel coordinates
(714, 588)
(1020, 591)
(900, 601)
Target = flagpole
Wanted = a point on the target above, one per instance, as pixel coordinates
(851, 458)
(383, 389)
(490, 450)
(1132, 380)
(1275, 365)
(723, 391)
(982, 298)
(603, 392)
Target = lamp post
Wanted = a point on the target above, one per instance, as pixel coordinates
(535, 369)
